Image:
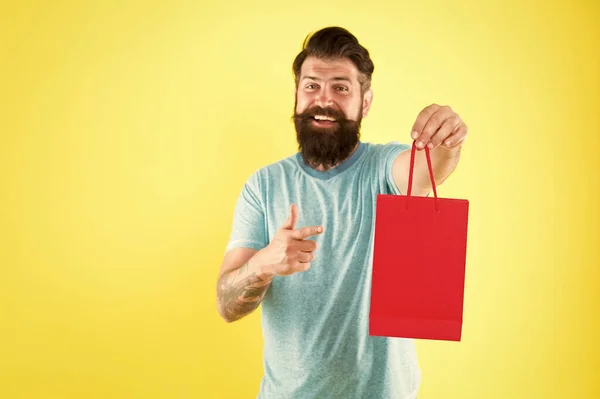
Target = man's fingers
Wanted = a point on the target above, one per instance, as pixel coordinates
(422, 119)
(305, 257)
(433, 125)
(444, 132)
(307, 245)
(457, 137)
(306, 232)
(290, 222)
(302, 267)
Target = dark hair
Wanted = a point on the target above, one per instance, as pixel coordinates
(334, 43)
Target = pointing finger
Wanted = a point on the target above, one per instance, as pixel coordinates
(306, 232)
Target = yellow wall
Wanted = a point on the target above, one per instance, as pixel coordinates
(128, 129)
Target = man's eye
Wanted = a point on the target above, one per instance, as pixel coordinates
(342, 88)
(311, 86)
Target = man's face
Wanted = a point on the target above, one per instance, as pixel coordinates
(329, 108)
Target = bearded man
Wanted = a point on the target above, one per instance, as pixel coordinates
(303, 229)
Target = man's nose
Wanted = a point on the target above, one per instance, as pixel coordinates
(324, 98)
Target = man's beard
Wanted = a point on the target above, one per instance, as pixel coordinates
(326, 146)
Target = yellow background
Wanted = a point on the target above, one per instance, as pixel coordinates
(128, 129)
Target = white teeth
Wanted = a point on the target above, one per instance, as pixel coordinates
(324, 118)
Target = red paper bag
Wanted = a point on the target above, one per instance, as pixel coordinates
(419, 259)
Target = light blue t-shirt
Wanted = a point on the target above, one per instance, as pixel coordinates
(316, 323)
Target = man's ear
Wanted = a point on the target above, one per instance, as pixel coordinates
(367, 101)
(295, 98)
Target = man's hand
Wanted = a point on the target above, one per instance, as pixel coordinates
(289, 251)
(442, 131)
(439, 125)
(246, 274)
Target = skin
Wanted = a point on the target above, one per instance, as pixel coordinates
(443, 132)
(240, 289)
(332, 84)
(246, 274)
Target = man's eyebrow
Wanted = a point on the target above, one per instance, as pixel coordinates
(337, 78)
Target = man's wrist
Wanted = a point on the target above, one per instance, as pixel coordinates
(263, 271)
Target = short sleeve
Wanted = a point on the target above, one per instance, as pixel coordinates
(389, 153)
(248, 230)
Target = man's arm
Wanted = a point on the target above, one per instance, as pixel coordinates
(246, 273)
(241, 285)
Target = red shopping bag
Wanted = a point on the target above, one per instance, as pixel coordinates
(419, 259)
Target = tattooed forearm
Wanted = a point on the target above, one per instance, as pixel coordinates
(240, 292)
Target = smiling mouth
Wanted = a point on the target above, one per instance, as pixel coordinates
(323, 118)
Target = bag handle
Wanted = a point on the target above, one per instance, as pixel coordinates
(412, 168)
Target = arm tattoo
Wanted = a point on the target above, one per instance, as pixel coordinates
(240, 292)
